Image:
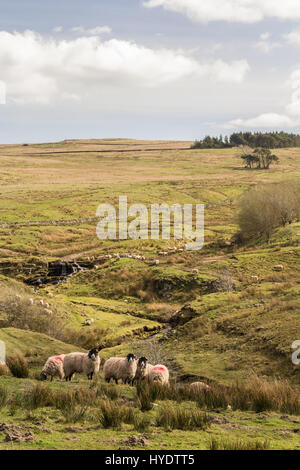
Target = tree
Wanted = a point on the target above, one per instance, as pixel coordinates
(261, 158)
(265, 157)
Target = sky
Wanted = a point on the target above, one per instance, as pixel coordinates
(147, 69)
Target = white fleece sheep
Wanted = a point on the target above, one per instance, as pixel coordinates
(86, 363)
(120, 368)
(54, 367)
(197, 386)
(143, 369)
(159, 373)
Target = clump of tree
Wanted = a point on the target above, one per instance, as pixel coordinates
(212, 143)
(260, 158)
(265, 208)
(268, 140)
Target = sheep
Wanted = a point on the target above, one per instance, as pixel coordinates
(47, 311)
(120, 368)
(143, 369)
(159, 373)
(197, 386)
(53, 367)
(87, 363)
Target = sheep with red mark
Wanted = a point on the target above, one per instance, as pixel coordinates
(159, 374)
(54, 367)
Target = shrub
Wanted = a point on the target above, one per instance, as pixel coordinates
(265, 208)
(18, 366)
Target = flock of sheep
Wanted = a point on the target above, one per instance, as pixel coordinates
(129, 369)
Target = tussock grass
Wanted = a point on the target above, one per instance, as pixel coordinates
(174, 417)
(37, 396)
(257, 395)
(3, 396)
(4, 370)
(238, 444)
(112, 415)
(18, 366)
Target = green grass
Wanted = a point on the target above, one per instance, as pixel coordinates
(218, 336)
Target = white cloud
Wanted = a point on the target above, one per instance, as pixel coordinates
(293, 38)
(293, 107)
(263, 121)
(290, 118)
(57, 29)
(265, 45)
(38, 69)
(245, 11)
(92, 31)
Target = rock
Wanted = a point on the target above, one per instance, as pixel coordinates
(74, 429)
(16, 433)
(137, 441)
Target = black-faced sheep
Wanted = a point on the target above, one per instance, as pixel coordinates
(120, 368)
(54, 367)
(143, 369)
(157, 373)
(86, 363)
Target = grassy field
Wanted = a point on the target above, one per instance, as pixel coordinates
(170, 311)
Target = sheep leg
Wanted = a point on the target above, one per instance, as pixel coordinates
(117, 381)
(51, 378)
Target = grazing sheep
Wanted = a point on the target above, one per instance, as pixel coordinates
(159, 373)
(120, 368)
(54, 366)
(47, 311)
(278, 267)
(197, 386)
(143, 369)
(86, 363)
